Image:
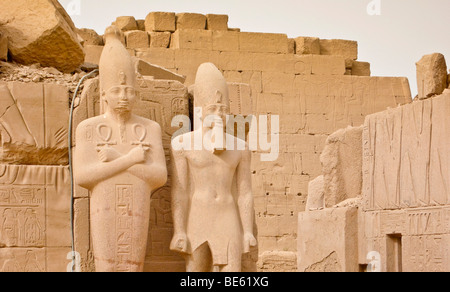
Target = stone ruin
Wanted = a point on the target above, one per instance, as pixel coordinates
(381, 199)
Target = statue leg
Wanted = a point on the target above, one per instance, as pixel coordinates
(200, 261)
(234, 259)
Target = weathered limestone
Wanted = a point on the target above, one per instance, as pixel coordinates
(160, 39)
(35, 212)
(328, 240)
(344, 48)
(278, 261)
(307, 46)
(160, 21)
(431, 75)
(191, 21)
(342, 166)
(115, 164)
(93, 54)
(47, 35)
(225, 41)
(137, 39)
(90, 37)
(213, 226)
(216, 22)
(291, 46)
(126, 23)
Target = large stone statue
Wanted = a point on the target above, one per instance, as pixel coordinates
(212, 200)
(119, 157)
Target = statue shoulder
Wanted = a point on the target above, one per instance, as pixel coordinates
(89, 123)
(151, 125)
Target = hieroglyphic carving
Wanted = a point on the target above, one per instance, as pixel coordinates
(34, 213)
(124, 210)
(426, 253)
(406, 157)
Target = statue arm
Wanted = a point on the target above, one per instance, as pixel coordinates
(89, 170)
(180, 201)
(154, 170)
(245, 199)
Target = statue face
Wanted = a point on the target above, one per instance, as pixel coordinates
(219, 110)
(121, 99)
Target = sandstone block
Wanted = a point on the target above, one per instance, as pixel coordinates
(158, 56)
(431, 75)
(307, 46)
(191, 21)
(344, 48)
(342, 166)
(140, 24)
(328, 65)
(192, 39)
(328, 241)
(360, 68)
(160, 39)
(126, 23)
(263, 42)
(93, 54)
(225, 41)
(137, 39)
(42, 33)
(316, 191)
(160, 21)
(216, 22)
(90, 37)
(291, 46)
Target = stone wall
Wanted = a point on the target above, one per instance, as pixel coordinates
(306, 81)
(406, 186)
(401, 222)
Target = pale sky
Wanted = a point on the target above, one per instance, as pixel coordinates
(392, 41)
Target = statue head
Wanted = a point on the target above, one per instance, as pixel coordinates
(211, 92)
(118, 84)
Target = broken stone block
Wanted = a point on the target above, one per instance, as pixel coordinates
(195, 39)
(191, 21)
(328, 65)
(3, 48)
(146, 69)
(344, 48)
(126, 23)
(42, 33)
(160, 21)
(431, 75)
(216, 22)
(160, 39)
(137, 39)
(360, 68)
(278, 261)
(307, 46)
(316, 191)
(90, 37)
(328, 240)
(342, 166)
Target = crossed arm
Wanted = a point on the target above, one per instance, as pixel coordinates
(89, 170)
